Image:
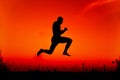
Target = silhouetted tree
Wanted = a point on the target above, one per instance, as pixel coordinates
(104, 67)
(118, 65)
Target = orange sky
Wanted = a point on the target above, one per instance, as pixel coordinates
(94, 26)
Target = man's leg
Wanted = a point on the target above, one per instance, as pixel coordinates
(64, 40)
(52, 47)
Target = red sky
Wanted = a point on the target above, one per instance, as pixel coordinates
(94, 26)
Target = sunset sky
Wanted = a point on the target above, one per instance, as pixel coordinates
(93, 25)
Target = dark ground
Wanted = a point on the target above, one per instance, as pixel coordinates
(5, 74)
(59, 76)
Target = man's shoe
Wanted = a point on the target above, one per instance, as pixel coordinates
(39, 52)
(66, 54)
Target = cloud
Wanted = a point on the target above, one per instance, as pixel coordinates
(95, 4)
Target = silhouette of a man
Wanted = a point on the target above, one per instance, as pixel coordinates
(57, 38)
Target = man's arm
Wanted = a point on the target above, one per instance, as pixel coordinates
(62, 31)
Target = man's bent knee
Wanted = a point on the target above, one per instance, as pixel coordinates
(50, 52)
(70, 41)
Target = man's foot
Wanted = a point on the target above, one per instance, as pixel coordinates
(39, 52)
(66, 54)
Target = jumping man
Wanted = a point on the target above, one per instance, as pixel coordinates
(57, 38)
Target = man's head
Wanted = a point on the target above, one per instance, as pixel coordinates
(60, 20)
